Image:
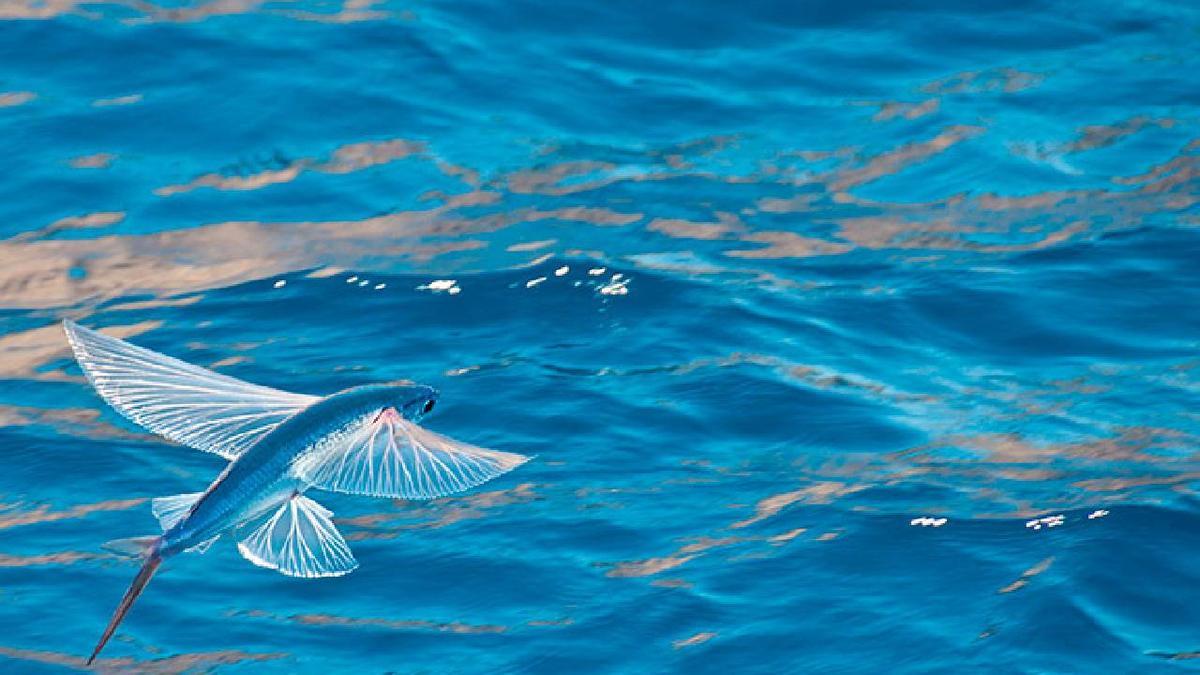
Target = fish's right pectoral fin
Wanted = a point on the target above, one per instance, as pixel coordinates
(394, 457)
(299, 540)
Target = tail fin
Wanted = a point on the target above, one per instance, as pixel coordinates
(153, 560)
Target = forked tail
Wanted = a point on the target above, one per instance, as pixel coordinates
(153, 560)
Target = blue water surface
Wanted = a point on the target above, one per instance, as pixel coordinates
(848, 337)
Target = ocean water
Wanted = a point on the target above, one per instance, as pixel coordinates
(848, 337)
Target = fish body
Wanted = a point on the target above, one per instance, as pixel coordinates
(280, 445)
(265, 475)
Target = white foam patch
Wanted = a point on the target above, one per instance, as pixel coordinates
(1047, 522)
(534, 282)
(928, 521)
(562, 271)
(615, 287)
(597, 271)
(441, 285)
(281, 283)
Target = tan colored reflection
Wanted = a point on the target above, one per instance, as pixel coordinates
(197, 12)
(457, 627)
(170, 665)
(908, 111)
(788, 245)
(14, 98)
(892, 162)
(1130, 445)
(1122, 484)
(531, 245)
(345, 159)
(1003, 80)
(649, 566)
(61, 558)
(698, 638)
(542, 623)
(785, 537)
(220, 182)
(100, 160)
(550, 180)
(21, 353)
(823, 492)
(392, 624)
(86, 221)
(78, 422)
(44, 514)
(1028, 574)
(141, 305)
(352, 11)
(359, 156)
(727, 223)
(129, 99)
(1103, 135)
(681, 556)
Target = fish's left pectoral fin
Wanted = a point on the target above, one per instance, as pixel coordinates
(179, 401)
(299, 540)
(394, 457)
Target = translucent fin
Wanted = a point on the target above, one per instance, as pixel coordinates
(184, 403)
(171, 510)
(299, 540)
(393, 457)
(203, 546)
(134, 547)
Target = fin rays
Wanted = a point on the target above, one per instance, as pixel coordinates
(171, 510)
(299, 540)
(393, 457)
(177, 400)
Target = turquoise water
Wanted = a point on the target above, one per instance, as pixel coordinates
(762, 286)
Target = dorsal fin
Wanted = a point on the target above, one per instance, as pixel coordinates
(171, 510)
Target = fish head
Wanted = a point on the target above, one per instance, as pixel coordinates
(413, 401)
(404, 398)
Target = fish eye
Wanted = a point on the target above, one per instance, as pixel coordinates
(428, 407)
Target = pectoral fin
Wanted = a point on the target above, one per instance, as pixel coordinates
(393, 457)
(177, 400)
(299, 540)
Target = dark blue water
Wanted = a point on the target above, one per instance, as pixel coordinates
(813, 273)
